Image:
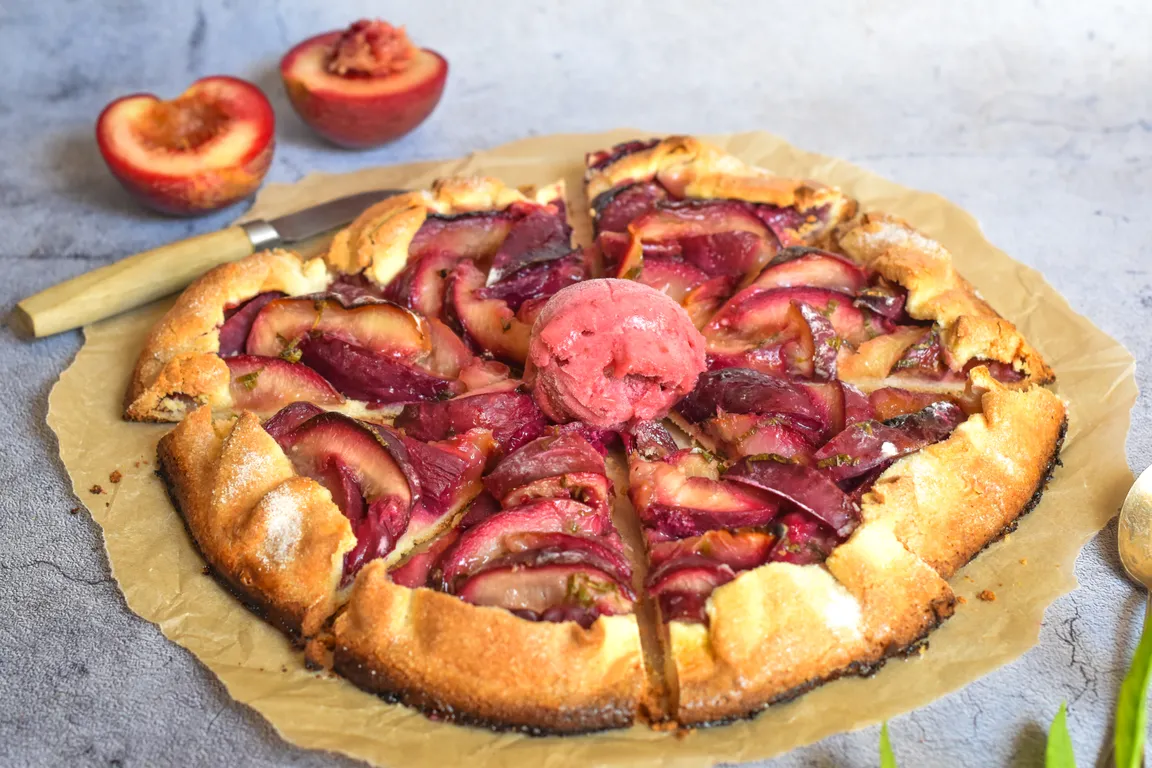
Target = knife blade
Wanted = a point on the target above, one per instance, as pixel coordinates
(144, 277)
(315, 220)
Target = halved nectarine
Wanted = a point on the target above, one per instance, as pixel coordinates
(206, 149)
(363, 86)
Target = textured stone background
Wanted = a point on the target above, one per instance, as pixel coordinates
(1036, 117)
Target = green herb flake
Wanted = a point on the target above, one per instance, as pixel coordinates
(1058, 753)
(771, 457)
(584, 591)
(707, 454)
(291, 353)
(249, 379)
(1131, 706)
(839, 460)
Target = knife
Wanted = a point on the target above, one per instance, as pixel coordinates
(139, 279)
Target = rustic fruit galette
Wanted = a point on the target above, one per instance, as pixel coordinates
(732, 448)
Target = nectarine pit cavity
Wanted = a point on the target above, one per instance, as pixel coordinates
(183, 124)
(371, 48)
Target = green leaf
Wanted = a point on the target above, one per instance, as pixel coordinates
(1131, 708)
(887, 759)
(1059, 751)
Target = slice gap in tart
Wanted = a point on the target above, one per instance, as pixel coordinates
(537, 558)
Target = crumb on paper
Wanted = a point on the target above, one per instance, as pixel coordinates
(206, 571)
(115, 477)
(96, 490)
(961, 600)
(283, 669)
(75, 510)
(969, 579)
(683, 733)
(1023, 561)
(987, 596)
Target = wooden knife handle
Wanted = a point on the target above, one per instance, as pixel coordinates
(128, 283)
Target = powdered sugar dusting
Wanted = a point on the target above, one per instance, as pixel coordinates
(842, 614)
(250, 467)
(892, 236)
(282, 511)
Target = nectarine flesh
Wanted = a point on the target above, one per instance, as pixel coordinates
(204, 150)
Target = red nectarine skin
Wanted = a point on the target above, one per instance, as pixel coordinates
(352, 108)
(204, 150)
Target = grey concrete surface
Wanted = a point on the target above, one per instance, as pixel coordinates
(1035, 116)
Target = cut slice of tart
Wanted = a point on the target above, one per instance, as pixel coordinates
(776, 572)
(407, 306)
(521, 615)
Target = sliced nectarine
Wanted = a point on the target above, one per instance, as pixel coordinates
(554, 592)
(489, 323)
(381, 327)
(267, 384)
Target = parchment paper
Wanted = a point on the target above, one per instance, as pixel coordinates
(162, 575)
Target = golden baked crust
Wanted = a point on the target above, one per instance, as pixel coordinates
(275, 539)
(779, 629)
(970, 328)
(179, 368)
(485, 665)
(949, 500)
(696, 169)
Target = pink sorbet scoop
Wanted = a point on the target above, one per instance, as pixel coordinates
(608, 351)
